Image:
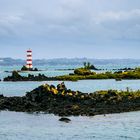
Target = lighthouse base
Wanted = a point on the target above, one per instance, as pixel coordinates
(25, 68)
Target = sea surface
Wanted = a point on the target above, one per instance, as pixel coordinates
(24, 126)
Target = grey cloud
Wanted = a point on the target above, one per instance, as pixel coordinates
(69, 18)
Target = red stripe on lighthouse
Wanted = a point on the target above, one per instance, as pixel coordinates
(29, 55)
(29, 60)
(29, 51)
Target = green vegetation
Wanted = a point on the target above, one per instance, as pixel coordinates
(82, 74)
(79, 74)
(89, 66)
(83, 71)
(24, 68)
(62, 90)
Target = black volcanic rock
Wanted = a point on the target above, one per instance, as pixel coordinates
(67, 120)
(24, 68)
(65, 102)
(17, 77)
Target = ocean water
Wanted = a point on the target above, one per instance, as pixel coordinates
(24, 126)
(86, 86)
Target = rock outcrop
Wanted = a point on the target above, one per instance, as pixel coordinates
(67, 120)
(65, 102)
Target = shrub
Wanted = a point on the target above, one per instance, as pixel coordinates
(83, 71)
(24, 68)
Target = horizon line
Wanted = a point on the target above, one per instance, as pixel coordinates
(74, 58)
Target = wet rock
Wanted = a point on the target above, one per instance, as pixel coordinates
(24, 68)
(66, 120)
(17, 77)
(118, 79)
(61, 87)
(112, 93)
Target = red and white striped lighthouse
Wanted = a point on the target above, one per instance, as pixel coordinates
(29, 59)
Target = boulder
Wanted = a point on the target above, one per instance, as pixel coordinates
(1, 96)
(66, 120)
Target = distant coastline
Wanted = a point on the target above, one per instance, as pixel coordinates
(68, 61)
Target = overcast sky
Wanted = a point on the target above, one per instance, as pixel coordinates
(70, 28)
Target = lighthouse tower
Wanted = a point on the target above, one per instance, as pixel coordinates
(29, 59)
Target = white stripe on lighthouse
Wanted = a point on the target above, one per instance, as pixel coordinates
(29, 57)
(29, 53)
(29, 62)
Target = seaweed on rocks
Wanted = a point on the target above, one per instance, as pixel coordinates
(66, 102)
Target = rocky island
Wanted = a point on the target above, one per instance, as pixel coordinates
(65, 102)
(24, 68)
(17, 77)
(79, 74)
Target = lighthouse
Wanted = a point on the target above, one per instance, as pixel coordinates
(29, 59)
